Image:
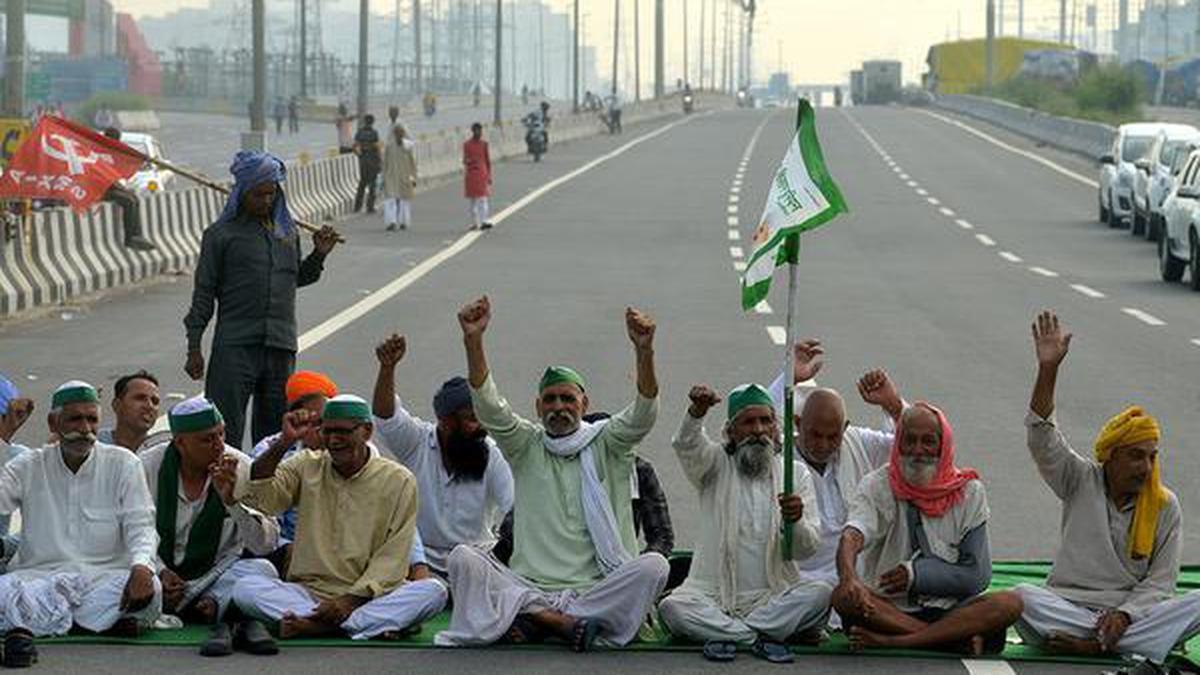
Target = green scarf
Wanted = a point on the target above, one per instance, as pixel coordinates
(205, 535)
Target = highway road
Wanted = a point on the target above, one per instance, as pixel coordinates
(956, 237)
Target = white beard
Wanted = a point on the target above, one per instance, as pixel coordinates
(754, 457)
(918, 471)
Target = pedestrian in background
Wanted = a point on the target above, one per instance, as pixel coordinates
(279, 112)
(345, 130)
(293, 115)
(399, 179)
(370, 160)
(477, 178)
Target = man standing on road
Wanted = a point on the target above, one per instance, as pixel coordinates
(88, 543)
(477, 178)
(202, 530)
(741, 590)
(250, 267)
(574, 572)
(293, 111)
(344, 124)
(135, 404)
(465, 484)
(399, 178)
(279, 111)
(355, 533)
(370, 160)
(920, 524)
(1112, 587)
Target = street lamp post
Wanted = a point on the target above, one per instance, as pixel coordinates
(616, 42)
(575, 62)
(499, 54)
(14, 59)
(364, 9)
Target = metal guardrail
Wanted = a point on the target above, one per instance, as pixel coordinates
(1090, 139)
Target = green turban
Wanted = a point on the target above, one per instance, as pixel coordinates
(194, 414)
(346, 407)
(561, 375)
(747, 395)
(75, 391)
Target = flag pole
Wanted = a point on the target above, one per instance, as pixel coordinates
(789, 388)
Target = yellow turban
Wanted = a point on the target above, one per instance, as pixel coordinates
(1129, 427)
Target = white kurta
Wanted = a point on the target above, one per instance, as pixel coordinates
(1093, 573)
(243, 530)
(739, 586)
(883, 521)
(81, 534)
(453, 510)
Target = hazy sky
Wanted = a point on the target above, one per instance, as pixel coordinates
(818, 40)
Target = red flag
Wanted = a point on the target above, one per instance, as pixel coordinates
(65, 161)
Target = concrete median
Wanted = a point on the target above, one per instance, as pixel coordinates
(1090, 139)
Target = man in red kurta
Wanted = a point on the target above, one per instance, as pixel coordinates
(477, 177)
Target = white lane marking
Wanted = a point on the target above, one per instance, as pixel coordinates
(933, 200)
(903, 176)
(763, 308)
(1010, 256)
(778, 334)
(985, 240)
(987, 667)
(964, 224)
(1196, 341)
(913, 184)
(1057, 168)
(338, 321)
(733, 198)
(731, 221)
(923, 192)
(735, 189)
(732, 210)
(739, 266)
(733, 235)
(949, 213)
(1044, 272)
(1088, 291)
(736, 252)
(1144, 317)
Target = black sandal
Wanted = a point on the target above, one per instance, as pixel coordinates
(583, 635)
(19, 650)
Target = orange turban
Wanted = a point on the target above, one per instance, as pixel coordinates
(308, 382)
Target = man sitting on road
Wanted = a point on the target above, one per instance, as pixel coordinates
(202, 530)
(838, 454)
(135, 404)
(86, 556)
(741, 589)
(574, 574)
(357, 519)
(1116, 593)
(464, 482)
(15, 411)
(922, 524)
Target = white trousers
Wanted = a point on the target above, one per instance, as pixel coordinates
(488, 596)
(416, 601)
(698, 616)
(480, 210)
(221, 590)
(48, 603)
(1151, 636)
(397, 211)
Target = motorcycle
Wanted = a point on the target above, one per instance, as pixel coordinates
(535, 137)
(689, 104)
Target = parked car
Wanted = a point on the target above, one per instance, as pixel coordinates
(1179, 245)
(150, 179)
(1118, 173)
(1154, 178)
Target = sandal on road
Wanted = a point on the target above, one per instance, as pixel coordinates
(583, 634)
(721, 651)
(772, 652)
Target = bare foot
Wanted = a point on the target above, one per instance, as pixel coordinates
(861, 638)
(203, 611)
(1061, 643)
(292, 626)
(973, 646)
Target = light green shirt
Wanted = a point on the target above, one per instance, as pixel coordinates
(551, 545)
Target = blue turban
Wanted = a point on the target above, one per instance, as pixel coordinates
(8, 392)
(454, 395)
(251, 169)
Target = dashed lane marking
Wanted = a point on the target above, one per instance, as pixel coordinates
(923, 192)
(1051, 274)
(1144, 317)
(933, 200)
(1010, 256)
(778, 334)
(985, 240)
(1088, 291)
(739, 266)
(731, 221)
(736, 252)
(734, 236)
(949, 213)
(964, 224)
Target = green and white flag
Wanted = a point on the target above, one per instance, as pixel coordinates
(803, 196)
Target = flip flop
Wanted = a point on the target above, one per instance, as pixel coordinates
(772, 652)
(524, 632)
(584, 634)
(721, 651)
(19, 650)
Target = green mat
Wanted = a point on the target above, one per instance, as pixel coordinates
(1004, 575)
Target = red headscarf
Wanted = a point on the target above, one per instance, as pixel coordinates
(946, 488)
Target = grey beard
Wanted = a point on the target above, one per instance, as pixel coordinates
(754, 456)
(918, 471)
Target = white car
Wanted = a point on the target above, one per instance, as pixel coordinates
(1118, 174)
(150, 179)
(1154, 178)
(1179, 245)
